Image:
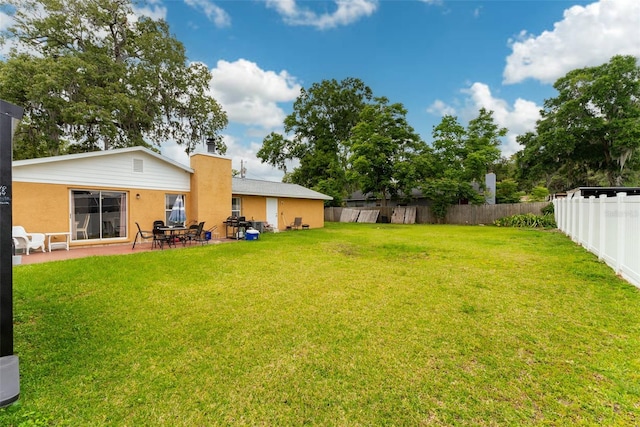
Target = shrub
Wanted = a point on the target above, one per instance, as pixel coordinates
(539, 194)
(507, 191)
(528, 220)
(548, 210)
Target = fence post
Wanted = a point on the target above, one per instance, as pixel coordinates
(575, 219)
(621, 199)
(570, 217)
(581, 219)
(603, 229)
(590, 227)
(565, 214)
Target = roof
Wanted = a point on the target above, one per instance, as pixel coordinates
(240, 186)
(93, 154)
(254, 187)
(597, 191)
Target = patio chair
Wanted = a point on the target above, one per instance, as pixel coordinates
(159, 236)
(27, 241)
(296, 224)
(143, 236)
(196, 234)
(82, 229)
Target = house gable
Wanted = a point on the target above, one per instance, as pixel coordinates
(136, 167)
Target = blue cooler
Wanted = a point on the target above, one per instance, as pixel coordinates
(252, 235)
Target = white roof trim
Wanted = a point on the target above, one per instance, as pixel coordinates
(254, 187)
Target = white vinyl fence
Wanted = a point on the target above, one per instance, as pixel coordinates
(606, 226)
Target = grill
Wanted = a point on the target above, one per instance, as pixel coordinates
(235, 227)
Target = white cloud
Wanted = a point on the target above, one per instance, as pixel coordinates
(440, 108)
(214, 13)
(347, 12)
(518, 118)
(236, 151)
(250, 95)
(152, 9)
(587, 36)
(255, 169)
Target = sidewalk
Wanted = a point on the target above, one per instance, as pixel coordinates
(81, 252)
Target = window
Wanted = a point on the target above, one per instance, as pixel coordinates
(169, 200)
(236, 208)
(98, 214)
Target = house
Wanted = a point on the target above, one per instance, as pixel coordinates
(100, 196)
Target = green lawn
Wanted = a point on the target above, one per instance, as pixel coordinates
(351, 325)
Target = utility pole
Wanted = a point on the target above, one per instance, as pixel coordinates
(243, 170)
(10, 115)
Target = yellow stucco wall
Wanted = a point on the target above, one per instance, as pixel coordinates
(41, 208)
(45, 208)
(210, 190)
(311, 211)
(253, 208)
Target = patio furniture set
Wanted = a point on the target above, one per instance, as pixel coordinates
(26, 242)
(162, 234)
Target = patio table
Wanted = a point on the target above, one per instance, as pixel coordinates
(58, 244)
(175, 232)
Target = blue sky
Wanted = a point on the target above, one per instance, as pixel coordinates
(434, 56)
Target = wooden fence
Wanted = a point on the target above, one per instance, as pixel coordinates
(459, 214)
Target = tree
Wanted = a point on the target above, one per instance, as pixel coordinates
(482, 146)
(321, 123)
(507, 191)
(505, 168)
(461, 157)
(93, 76)
(539, 194)
(383, 147)
(591, 130)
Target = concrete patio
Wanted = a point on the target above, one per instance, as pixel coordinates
(87, 251)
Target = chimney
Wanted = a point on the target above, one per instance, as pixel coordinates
(211, 145)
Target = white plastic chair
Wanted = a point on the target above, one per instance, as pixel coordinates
(27, 241)
(82, 229)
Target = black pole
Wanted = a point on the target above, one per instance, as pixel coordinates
(9, 376)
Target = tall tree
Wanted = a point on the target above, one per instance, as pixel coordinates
(482, 146)
(591, 128)
(321, 123)
(383, 149)
(461, 157)
(91, 75)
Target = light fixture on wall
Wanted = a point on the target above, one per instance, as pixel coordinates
(138, 196)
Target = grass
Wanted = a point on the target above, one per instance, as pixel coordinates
(353, 324)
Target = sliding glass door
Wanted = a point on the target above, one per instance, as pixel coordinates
(98, 214)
